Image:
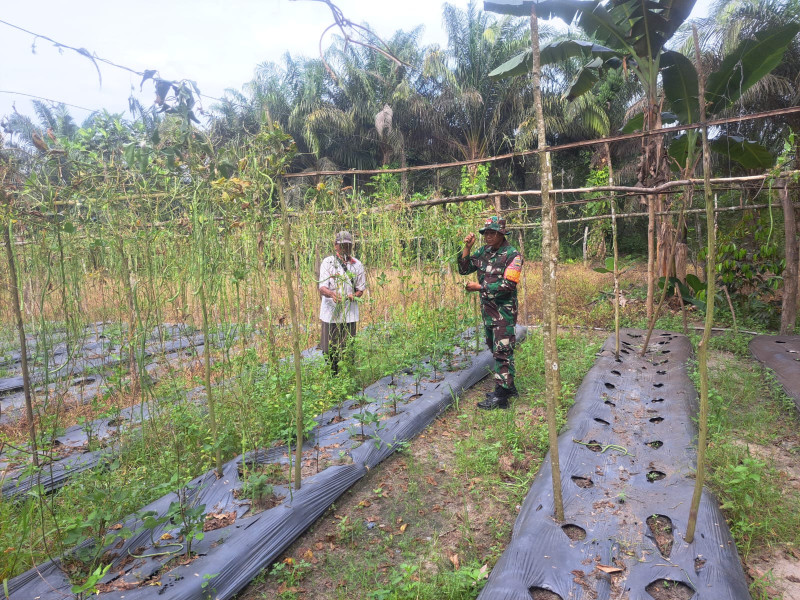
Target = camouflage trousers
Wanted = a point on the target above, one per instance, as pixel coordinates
(499, 325)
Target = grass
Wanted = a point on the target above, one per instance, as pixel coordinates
(750, 416)
(432, 521)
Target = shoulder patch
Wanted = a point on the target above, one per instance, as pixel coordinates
(513, 271)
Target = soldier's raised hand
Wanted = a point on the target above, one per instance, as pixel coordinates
(469, 241)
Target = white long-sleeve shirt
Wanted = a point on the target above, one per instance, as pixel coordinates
(344, 279)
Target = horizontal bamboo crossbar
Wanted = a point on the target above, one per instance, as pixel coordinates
(583, 143)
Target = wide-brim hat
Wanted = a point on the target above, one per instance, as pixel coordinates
(494, 224)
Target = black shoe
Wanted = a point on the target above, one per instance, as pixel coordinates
(498, 399)
(496, 389)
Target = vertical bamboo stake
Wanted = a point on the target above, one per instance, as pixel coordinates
(702, 349)
(616, 252)
(128, 287)
(13, 290)
(287, 265)
(651, 255)
(789, 304)
(549, 264)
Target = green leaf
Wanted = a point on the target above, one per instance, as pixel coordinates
(680, 86)
(746, 65)
(559, 52)
(585, 79)
(679, 148)
(635, 123)
(68, 227)
(749, 154)
(518, 65)
(695, 283)
(566, 10)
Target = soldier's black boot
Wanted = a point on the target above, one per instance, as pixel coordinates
(498, 399)
(497, 388)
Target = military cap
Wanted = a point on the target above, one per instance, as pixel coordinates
(494, 224)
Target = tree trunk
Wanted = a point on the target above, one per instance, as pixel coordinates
(549, 266)
(790, 274)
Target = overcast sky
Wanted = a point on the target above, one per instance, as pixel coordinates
(218, 44)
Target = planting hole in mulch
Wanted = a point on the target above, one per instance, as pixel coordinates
(699, 563)
(658, 385)
(661, 528)
(656, 419)
(655, 444)
(780, 342)
(615, 372)
(610, 386)
(215, 521)
(594, 446)
(574, 532)
(538, 593)
(661, 372)
(655, 476)
(667, 589)
(582, 482)
(624, 351)
(609, 402)
(658, 400)
(602, 421)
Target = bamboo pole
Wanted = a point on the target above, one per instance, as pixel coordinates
(13, 289)
(789, 303)
(287, 266)
(616, 254)
(549, 266)
(702, 349)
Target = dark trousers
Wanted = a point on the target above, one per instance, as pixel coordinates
(335, 338)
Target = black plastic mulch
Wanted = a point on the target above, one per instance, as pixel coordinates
(230, 557)
(627, 460)
(63, 367)
(781, 353)
(72, 457)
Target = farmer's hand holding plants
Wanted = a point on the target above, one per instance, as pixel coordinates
(472, 286)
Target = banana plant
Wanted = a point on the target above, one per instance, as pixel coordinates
(739, 71)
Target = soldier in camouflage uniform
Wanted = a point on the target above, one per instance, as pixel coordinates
(499, 267)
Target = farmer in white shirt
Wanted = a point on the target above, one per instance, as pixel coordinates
(341, 281)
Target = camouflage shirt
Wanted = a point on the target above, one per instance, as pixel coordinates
(498, 272)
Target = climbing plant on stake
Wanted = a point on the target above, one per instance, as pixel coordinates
(702, 349)
(280, 151)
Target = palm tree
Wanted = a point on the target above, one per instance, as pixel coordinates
(54, 122)
(476, 115)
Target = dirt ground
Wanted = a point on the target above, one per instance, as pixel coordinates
(415, 497)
